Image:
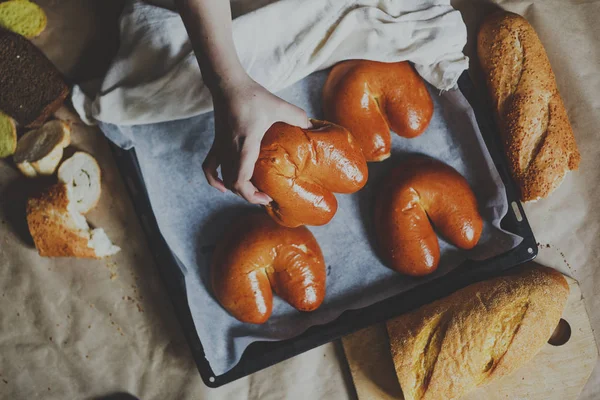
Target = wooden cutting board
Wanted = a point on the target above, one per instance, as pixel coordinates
(556, 372)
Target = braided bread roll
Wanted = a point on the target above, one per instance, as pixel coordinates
(538, 139)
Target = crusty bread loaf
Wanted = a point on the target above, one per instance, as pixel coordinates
(82, 174)
(39, 151)
(538, 138)
(301, 169)
(417, 193)
(58, 230)
(258, 257)
(480, 333)
(371, 98)
(8, 136)
(31, 87)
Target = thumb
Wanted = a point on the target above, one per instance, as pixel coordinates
(297, 117)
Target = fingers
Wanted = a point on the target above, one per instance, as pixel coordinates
(250, 193)
(209, 166)
(242, 185)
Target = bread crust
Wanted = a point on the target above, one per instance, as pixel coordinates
(415, 192)
(370, 98)
(51, 226)
(301, 169)
(479, 333)
(538, 138)
(258, 257)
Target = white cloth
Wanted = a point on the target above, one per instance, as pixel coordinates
(155, 76)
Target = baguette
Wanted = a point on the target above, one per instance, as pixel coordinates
(480, 333)
(538, 138)
(59, 230)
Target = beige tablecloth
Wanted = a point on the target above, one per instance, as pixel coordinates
(88, 329)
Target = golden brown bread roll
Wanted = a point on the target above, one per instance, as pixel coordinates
(479, 333)
(258, 256)
(300, 169)
(418, 190)
(369, 98)
(538, 138)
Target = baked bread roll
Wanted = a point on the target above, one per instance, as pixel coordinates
(482, 332)
(8, 136)
(82, 174)
(258, 257)
(301, 169)
(369, 98)
(538, 138)
(418, 192)
(59, 230)
(39, 151)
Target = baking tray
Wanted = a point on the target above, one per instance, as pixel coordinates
(263, 354)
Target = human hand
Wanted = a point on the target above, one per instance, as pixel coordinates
(244, 111)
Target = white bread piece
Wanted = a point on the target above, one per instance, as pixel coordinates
(82, 174)
(39, 151)
(59, 230)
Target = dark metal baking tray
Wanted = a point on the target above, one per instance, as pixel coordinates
(260, 355)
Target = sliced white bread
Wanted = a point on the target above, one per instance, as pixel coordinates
(39, 151)
(8, 136)
(59, 230)
(82, 174)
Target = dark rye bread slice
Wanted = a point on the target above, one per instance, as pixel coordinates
(31, 88)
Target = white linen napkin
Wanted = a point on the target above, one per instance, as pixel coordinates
(155, 77)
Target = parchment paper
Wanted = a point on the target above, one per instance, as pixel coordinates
(192, 217)
(152, 360)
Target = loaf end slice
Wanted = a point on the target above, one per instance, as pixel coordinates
(482, 332)
(58, 230)
(31, 86)
(39, 151)
(538, 139)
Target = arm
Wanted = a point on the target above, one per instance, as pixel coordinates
(244, 110)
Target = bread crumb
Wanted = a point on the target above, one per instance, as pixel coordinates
(113, 276)
(140, 309)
